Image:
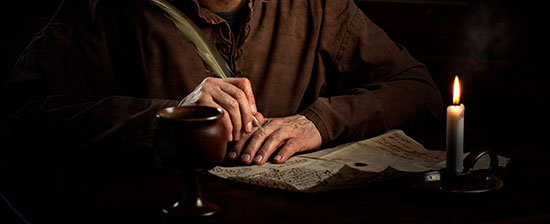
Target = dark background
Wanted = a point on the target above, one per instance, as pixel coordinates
(498, 48)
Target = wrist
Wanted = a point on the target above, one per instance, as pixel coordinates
(314, 133)
(316, 120)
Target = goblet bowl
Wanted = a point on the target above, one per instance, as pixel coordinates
(190, 137)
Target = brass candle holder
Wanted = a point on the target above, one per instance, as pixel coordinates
(468, 182)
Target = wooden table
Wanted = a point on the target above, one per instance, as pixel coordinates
(66, 196)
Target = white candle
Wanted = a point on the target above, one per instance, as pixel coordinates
(455, 132)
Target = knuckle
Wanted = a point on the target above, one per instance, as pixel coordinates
(242, 81)
(276, 121)
(233, 104)
(247, 135)
(245, 82)
(206, 88)
(258, 135)
(208, 79)
(288, 128)
(249, 150)
(294, 147)
(290, 145)
(275, 137)
(239, 94)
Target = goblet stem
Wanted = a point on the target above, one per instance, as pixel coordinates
(191, 192)
(191, 202)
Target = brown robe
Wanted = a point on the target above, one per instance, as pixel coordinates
(92, 80)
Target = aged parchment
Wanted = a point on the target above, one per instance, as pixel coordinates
(353, 164)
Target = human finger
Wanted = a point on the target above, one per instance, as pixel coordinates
(246, 86)
(231, 105)
(290, 148)
(244, 106)
(235, 151)
(259, 117)
(257, 140)
(226, 120)
(270, 145)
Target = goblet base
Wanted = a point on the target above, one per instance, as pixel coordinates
(199, 208)
(191, 202)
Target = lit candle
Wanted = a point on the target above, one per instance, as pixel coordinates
(455, 132)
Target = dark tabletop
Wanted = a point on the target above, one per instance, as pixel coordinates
(67, 196)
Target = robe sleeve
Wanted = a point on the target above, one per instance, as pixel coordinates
(372, 84)
(64, 100)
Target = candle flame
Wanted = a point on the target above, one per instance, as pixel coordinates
(456, 91)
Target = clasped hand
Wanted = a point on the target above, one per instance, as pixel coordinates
(282, 138)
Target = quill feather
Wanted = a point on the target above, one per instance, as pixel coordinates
(191, 33)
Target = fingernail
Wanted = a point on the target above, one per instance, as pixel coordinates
(231, 137)
(249, 127)
(245, 157)
(258, 158)
(232, 155)
(254, 109)
(277, 157)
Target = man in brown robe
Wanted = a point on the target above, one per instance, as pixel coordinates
(320, 72)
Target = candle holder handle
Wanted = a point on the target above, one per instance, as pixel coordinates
(472, 158)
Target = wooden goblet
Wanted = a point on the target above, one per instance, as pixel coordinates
(190, 139)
